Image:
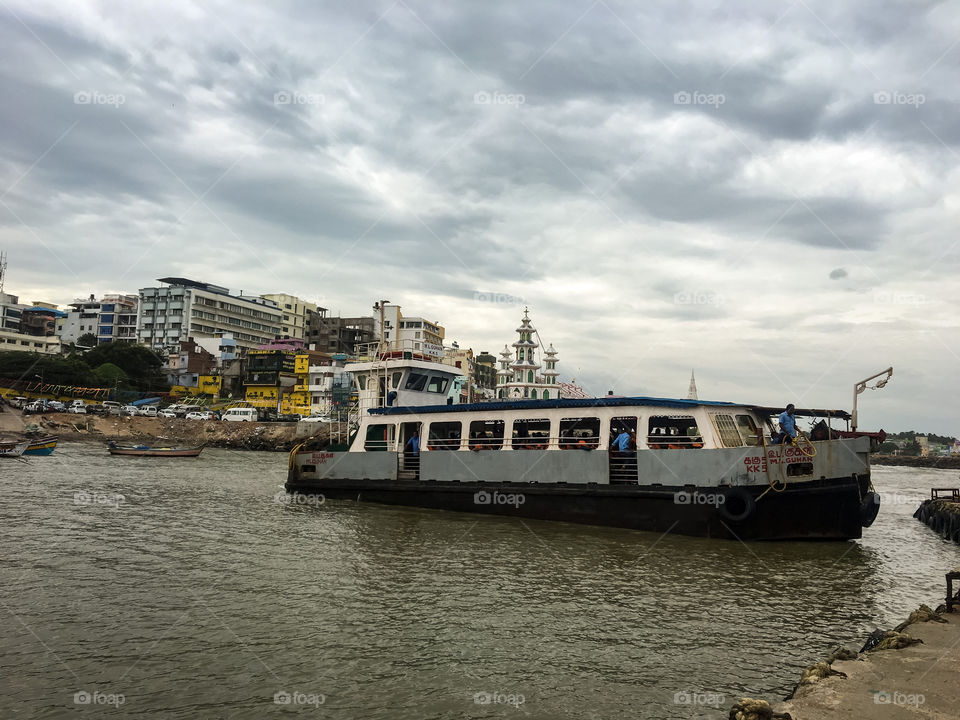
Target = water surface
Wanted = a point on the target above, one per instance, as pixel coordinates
(200, 593)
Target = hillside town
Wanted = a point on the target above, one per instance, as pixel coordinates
(275, 352)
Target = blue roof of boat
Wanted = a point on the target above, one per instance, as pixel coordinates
(551, 404)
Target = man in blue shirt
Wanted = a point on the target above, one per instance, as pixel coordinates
(788, 424)
(414, 443)
(622, 441)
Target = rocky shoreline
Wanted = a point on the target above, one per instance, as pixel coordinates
(938, 462)
(277, 437)
(894, 675)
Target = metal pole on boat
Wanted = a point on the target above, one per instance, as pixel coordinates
(862, 385)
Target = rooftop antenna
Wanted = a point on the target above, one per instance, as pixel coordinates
(3, 267)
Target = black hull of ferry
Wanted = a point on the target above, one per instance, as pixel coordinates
(835, 509)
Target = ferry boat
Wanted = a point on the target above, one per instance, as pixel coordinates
(692, 467)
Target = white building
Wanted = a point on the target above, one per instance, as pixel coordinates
(187, 308)
(296, 314)
(112, 318)
(400, 332)
(520, 375)
(330, 388)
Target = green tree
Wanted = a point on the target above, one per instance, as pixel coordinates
(888, 447)
(912, 448)
(110, 375)
(87, 340)
(141, 364)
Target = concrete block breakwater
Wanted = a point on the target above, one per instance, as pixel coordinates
(942, 516)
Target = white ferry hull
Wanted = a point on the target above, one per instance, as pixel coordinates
(722, 493)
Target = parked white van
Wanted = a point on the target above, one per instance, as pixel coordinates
(240, 415)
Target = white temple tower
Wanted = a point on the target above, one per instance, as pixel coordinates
(520, 375)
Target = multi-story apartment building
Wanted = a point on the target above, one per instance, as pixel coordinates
(297, 314)
(337, 335)
(399, 332)
(10, 312)
(183, 308)
(28, 328)
(112, 318)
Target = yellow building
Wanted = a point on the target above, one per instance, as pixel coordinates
(296, 314)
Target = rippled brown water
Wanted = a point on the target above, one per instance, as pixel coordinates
(199, 595)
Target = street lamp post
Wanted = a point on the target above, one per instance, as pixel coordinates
(862, 385)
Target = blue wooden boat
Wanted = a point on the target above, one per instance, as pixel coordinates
(42, 446)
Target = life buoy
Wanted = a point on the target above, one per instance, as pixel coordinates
(738, 505)
(869, 508)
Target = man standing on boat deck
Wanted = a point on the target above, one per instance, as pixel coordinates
(788, 424)
(622, 442)
(411, 450)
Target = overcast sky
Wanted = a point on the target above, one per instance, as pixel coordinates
(765, 192)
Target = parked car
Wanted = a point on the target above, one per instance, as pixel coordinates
(18, 402)
(36, 406)
(148, 411)
(318, 419)
(77, 409)
(199, 415)
(168, 413)
(56, 406)
(240, 415)
(130, 410)
(96, 409)
(111, 407)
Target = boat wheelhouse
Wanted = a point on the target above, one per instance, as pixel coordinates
(689, 467)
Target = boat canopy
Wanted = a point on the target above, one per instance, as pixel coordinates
(800, 412)
(552, 404)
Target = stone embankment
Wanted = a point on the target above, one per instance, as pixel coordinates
(168, 431)
(894, 675)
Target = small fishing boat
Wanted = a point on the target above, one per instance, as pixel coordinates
(147, 451)
(13, 449)
(42, 446)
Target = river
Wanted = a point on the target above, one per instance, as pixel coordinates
(179, 588)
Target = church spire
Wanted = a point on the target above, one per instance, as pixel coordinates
(692, 392)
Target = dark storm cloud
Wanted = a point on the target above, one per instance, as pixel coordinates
(680, 164)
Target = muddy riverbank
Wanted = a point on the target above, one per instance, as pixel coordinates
(280, 437)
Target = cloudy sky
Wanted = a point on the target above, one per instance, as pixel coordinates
(766, 192)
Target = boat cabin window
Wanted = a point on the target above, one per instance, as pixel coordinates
(673, 432)
(531, 434)
(623, 424)
(362, 381)
(378, 437)
(396, 380)
(486, 434)
(579, 433)
(444, 436)
(727, 429)
(416, 381)
(438, 384)
(748, 430)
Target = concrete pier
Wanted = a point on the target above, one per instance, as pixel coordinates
(921, 680)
